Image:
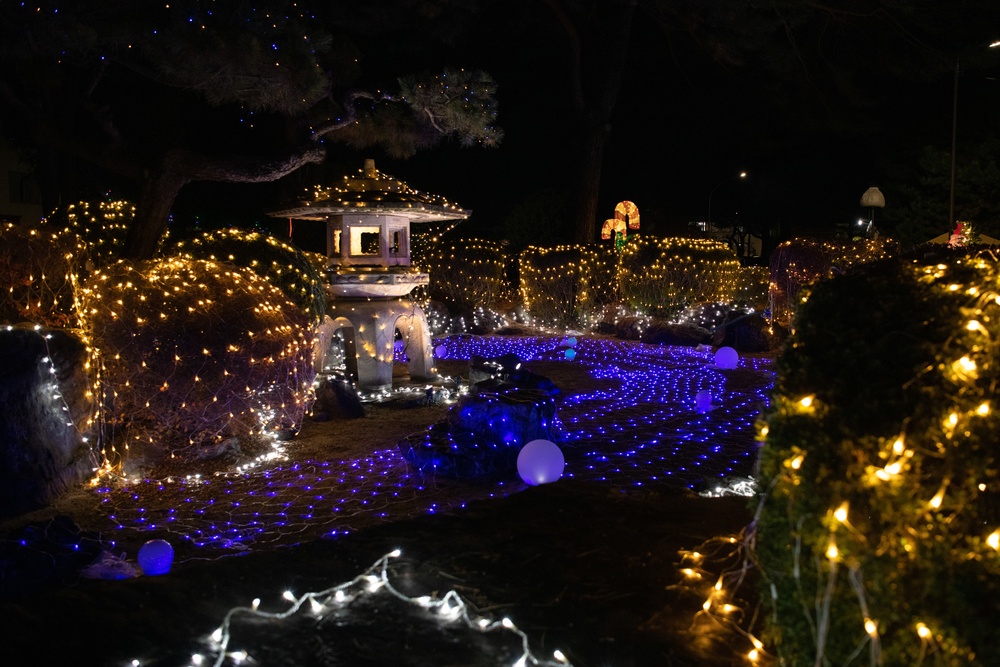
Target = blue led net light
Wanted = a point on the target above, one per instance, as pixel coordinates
(641, 428)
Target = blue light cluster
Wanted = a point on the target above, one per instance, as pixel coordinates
(640, 428)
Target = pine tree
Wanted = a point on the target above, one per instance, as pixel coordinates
(169, 93)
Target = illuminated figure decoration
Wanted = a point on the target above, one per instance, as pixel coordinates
(369, 273)
(626, 217)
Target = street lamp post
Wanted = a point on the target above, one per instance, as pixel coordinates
(742, 174)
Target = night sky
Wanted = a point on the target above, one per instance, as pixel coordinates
(684, 124)
(843, 101)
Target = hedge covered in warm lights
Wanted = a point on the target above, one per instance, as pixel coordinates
(567, 285)
(191, 352)
(102, 226)
(38, 272)
(663, 276)
(879, 531)
(466, 274)
(799, 262)
(283, 265)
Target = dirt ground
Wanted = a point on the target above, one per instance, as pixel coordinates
(596, 571)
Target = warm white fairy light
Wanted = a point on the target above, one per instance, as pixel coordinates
(449, 608)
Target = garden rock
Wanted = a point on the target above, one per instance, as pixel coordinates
(508, 369)
(336, 399)
(45, 390)
(744, 332)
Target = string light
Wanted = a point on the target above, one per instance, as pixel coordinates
(875, 479)
(449, 608)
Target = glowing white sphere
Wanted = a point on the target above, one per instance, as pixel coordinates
(726, 358)
(155, 557)
(540, 462)
(570, 354)
(703, 400)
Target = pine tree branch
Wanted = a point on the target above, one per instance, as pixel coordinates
(350, 112)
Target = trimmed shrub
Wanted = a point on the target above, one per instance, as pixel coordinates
(663, 276)
(878, 534)
(466, 274)
(38, 269)
(567, 285)
(752, 287)
(102, 226)
(799, 262)
(192, 352)
(283, 265)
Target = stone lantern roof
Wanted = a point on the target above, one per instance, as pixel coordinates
(372, 192)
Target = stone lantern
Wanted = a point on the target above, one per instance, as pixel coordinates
(369, 273)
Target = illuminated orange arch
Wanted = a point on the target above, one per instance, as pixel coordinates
(626, 210)
(626, 217)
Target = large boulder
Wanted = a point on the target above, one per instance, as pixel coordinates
(509, 369)
(45, 388)
(745, 332)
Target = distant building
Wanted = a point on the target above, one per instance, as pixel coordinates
(20, 196)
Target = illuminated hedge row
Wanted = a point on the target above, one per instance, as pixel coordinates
(662, 276)
(466, 274)
(567, 285)
(799, 262)
(879, 534)
(191, 352)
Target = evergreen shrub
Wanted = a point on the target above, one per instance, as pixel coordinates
(38, 271)
(878, 531)
(103, 227)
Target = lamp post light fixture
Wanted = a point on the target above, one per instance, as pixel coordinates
(742, 174)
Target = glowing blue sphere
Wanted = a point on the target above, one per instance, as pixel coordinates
(540, 462)
(570, 342)
(703, 400)
(570, 354)
(440, 351)
(726, 358)
(155, 557)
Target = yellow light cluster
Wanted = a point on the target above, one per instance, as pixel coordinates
(39, 269)
(296, 280)
(467, 273)
(373, 189)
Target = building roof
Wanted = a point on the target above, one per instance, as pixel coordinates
(374, 193)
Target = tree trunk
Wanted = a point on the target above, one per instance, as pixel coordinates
(162, 183)
(605, 73)
(587, 185)
(158, 192)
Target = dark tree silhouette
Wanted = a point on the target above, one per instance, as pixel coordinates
(166, 94)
